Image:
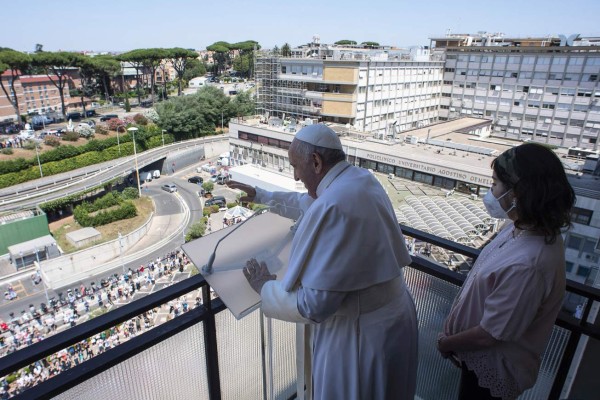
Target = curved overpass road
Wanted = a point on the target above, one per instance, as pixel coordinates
(45, 189)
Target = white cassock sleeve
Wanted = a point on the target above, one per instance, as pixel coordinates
(282, 305)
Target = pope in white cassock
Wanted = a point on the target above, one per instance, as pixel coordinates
(344, 279)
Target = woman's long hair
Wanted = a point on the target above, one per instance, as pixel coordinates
(544, 196)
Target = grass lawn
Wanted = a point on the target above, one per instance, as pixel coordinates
(60, 228)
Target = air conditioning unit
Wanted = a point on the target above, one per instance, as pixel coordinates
(474, 196)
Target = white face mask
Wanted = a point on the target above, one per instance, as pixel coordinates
(493, 206)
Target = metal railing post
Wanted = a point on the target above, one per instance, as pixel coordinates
(210, 346)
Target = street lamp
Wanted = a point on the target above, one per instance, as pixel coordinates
(163, 137)
(37, 257)
(121, 251)
(133, 130)
(118, 140)
(38, 159)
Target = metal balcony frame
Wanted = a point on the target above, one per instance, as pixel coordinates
(206, 314)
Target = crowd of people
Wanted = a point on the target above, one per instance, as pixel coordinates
(12, 142)
(36, 324)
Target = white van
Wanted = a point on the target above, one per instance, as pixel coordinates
(156, 174)
(146, 176)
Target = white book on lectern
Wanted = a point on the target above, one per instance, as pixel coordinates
(266, 237)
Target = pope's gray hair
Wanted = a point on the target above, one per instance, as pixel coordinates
(330, 156)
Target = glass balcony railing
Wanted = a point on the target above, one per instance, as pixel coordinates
(205, 353)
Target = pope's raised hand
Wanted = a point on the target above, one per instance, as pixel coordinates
(257, 274)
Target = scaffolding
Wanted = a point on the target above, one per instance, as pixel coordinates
(282, 98)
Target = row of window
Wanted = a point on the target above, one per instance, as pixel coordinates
(251, 137)
(553, 90)
(527, 60)
(540, 75)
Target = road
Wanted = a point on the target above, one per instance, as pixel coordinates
(41, 190)
(166, 204)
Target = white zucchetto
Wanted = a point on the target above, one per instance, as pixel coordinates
(321, 136)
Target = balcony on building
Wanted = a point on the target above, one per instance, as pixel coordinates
(206, 353)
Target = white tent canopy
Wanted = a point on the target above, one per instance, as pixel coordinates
(238, 211)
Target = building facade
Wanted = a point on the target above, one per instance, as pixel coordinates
(35, 93)
(383, 91)
(541, 89)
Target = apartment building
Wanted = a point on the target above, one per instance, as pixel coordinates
(35, 93)
(541, 89)
(582, 242)
(380, 90)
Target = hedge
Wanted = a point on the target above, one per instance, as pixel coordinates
(67, 158)
(126, 210)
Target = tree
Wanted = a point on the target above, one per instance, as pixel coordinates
(285, 50)
(151, 60)
(243, 64)
(276, 51)
(208, 186)
(345, 42)
(241, 105)
(180, 58)
(196, 230)
(136, 59)
(107, 68)
(221, 56)
(370, 44)
(194, 68)
(87, 72)
(57, 66)
(16, 62)
(195, 115)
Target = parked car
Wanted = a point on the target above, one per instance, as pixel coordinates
(156, 173)
(214, 178)
(90, 113)
(216, 200)
(169, 187)
(205, 168)
(74, 116)
(107, 117)
(222, 179)
(196, 179)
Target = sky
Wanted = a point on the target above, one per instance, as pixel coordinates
(122, 25)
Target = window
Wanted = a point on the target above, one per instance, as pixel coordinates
(584, 93)
(581, 215)
(514, 59)
(567, 92)
(576, 61)
(583, 271)
(543, 60)
(569, 266)
(283, 69)
(559, 61)
(590, 61)
(528, 60)
(574, 242)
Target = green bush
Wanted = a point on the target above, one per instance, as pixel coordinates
(30, 145)
(7, 151)
(130, 193)
(101, 130)
(126, 210)
(71, 136)
(140, 119)
(231, 205)
(208, 186)
(52, 141)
